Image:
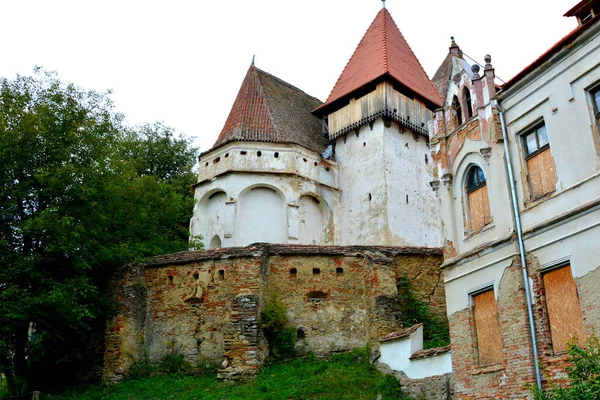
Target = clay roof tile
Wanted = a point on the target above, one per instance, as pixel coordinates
(383, 51)
(267, 109)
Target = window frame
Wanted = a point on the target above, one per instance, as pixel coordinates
(527, 157)
(490, 287)
(553, 340)
(534, 131)
(467, 191)
(593, 92)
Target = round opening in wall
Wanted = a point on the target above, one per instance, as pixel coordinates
(259, 153)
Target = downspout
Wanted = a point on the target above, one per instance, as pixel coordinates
(517, 215)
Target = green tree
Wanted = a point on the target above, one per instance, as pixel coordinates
(75, 203)
(583, 371)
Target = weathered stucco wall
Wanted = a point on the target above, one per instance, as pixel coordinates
(384, 179)
(239, 216)
(205, 305)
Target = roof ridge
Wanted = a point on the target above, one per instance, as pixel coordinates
(296, 88)
(385, 39)
(266, 100)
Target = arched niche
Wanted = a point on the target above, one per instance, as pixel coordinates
(313, 218)
(261, 216)
(211, 216)
(215, 242)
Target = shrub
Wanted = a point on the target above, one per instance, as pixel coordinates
(415, 310)
(280, 336)
(583, 372)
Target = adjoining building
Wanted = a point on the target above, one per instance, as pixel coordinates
(520, 286)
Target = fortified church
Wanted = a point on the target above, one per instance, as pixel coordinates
(354, 170)
(485, 198)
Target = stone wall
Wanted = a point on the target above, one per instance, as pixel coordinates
(206, 305)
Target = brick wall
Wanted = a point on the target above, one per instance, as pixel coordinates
(515, 375)
(206, 305)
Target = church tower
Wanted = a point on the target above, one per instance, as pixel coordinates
(377, 117)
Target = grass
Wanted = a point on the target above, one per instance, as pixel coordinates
(348, 376)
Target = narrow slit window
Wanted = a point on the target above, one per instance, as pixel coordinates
(293, 273)
(457, 110)
(221, 274)
(467, 101)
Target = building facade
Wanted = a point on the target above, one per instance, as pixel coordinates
(545, 122)
(354, 170)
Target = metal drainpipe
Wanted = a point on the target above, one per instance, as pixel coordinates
(515, 204)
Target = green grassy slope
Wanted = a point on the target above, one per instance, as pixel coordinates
(345, 377)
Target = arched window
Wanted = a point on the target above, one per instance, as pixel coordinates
(467, 100)
(456, 106)
(478, 206)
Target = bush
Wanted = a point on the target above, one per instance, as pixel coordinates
(583, 372)
(436, 332)
(171, 363)
(280, 336)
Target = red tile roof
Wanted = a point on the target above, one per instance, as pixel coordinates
(268, 109)
(406, 332)
(383, 51)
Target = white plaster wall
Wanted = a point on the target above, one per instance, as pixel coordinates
(559, 96)
(314, 217)
(291, 159)
(476, 274)
(292, 188)
(262, 217)
(210, 217)
(361, 173)
(412, 207)
(430, 366)
(574, 241)
(498, 196)
(397, 353)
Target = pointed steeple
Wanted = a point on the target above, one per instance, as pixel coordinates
(383, 53)
(268, 109)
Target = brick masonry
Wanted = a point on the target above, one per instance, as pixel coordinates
(206, 305)
(514, 377)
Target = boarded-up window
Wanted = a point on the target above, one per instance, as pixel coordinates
(477, 194)
(487, 328)
(564, 312)
(540, 165)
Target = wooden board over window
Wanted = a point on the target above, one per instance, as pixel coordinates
(487, 327)
(479, 208)
(542, 173)
(564, 311)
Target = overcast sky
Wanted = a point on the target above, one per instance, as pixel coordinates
(182, 61)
